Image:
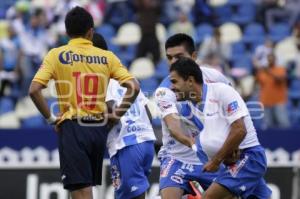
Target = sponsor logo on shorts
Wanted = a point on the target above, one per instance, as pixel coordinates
(235, 168)
(242, 188)
(166, 168)
(133, 188)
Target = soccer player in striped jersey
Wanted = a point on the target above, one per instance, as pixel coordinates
(226, 126)
(179, 163)
(130, 143)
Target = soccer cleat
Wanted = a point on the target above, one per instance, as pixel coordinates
(197, 189)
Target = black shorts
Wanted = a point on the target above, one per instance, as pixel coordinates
(81, 151)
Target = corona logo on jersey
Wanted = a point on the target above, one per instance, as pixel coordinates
(68, 57)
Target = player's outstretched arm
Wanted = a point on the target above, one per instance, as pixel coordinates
(174, 125)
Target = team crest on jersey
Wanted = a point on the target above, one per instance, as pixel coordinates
(115, 176)
(235, 168)
(161, 93)
(232, 107)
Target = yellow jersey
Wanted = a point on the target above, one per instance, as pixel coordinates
(81, 73)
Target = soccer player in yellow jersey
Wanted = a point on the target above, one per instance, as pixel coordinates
(81, 73)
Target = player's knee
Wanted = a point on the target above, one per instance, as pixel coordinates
(84, 192)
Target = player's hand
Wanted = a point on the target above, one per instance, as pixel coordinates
(58, 118)
(193, 145)
(232, 158)
(211, 166)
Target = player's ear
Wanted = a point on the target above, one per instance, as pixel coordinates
(194, 55)
(190, 80)
(90, 33)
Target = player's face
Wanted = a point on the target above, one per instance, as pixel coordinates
(179, 86)
(174, 53)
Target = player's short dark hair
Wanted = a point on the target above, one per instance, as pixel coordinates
(78, 21)
(186, 67)
(99, 41)
(181, 39)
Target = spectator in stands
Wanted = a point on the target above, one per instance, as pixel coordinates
(213, 61)
(18, 15)
(213, 45)
(148, 14)
(262, 6)
(260, 57)
(182, 25)
(184, 5)
(273, 93)
(118, 12)
(96, 8)
(10, 56)
(296, 39)
(168, 12)
(289, 10)
(35, 41)
(203, 13)
(61, 9)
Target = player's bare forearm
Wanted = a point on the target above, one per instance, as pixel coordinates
(173, 123)
(133, 89)
(35, 92)
(234, 139)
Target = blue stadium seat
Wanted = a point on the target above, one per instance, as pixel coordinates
(127, 54)
(148, 85)
(238, 49)
(234, 2)
(202, 31)
(107, 31)
(254, 33)
(279, 31)
(33, 122)
(2, 13)
(243, 61)
(245, 14)
(162, 69)
(224, 14)
(6, 105)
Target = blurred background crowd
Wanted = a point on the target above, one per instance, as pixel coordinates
(255, 43)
